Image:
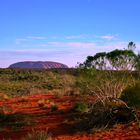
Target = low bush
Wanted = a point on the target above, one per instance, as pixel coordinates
(131, 96)
(101, 116)
(104, 84)
(54, 107)
(80, 107)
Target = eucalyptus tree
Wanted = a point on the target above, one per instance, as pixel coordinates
(138, 64)
(121, 59)
(131, 45)
(113, 60)
(100, 61)
(88, 62)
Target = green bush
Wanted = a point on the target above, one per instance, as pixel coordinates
(103, 83)
(80, 107)
(131, 96)
(54, 107)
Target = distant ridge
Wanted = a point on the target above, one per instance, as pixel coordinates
(38, 65)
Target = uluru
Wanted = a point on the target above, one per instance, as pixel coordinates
(38, 65)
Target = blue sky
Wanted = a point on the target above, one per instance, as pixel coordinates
(65, 31)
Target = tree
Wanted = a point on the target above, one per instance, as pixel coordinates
(138, 64)
(131, 45)
(99, 60)
(121, 59)
(113, 60)
(88, 62)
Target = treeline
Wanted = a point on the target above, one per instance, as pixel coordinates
(117, 59)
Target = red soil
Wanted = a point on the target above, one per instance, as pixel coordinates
(41, 118)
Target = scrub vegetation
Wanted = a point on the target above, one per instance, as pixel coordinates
(100, 93)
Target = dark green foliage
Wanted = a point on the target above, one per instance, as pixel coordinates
(103, 117)
(80, 107)
(54, 108)
(131, 45)
(16, 120)
(3, 117)
(131, 96)
(113, 60)
(122, 59)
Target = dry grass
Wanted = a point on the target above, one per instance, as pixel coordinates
(3, 96)
(38, 135)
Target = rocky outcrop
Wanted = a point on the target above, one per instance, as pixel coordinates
(38, 65)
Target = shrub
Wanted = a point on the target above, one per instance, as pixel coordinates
(104, 84)
(54, 107)
(100, 116)
(80, 107)
(131, 95)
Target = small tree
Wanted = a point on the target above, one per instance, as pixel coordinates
(100, 61)
(121, 59)
(131, 45)
(88, 62)
(114, 60)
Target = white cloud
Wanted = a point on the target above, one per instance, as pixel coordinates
(93, 37)
(108, 37)
(36, 37)
(70, 44)
(77, 36)
(20, 41)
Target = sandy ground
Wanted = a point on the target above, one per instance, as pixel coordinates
(34, 112)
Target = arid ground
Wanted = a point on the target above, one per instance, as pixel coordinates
(37, 112)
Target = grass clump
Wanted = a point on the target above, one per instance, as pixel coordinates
(54, 108)
(38, 135)
(131, 95)
(3, 96)
(80, 107)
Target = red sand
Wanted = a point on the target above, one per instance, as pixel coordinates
(44, 118)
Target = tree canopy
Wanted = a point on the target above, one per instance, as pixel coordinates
(131, 45)
(114, 60)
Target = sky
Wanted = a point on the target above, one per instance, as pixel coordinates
(65, 31)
